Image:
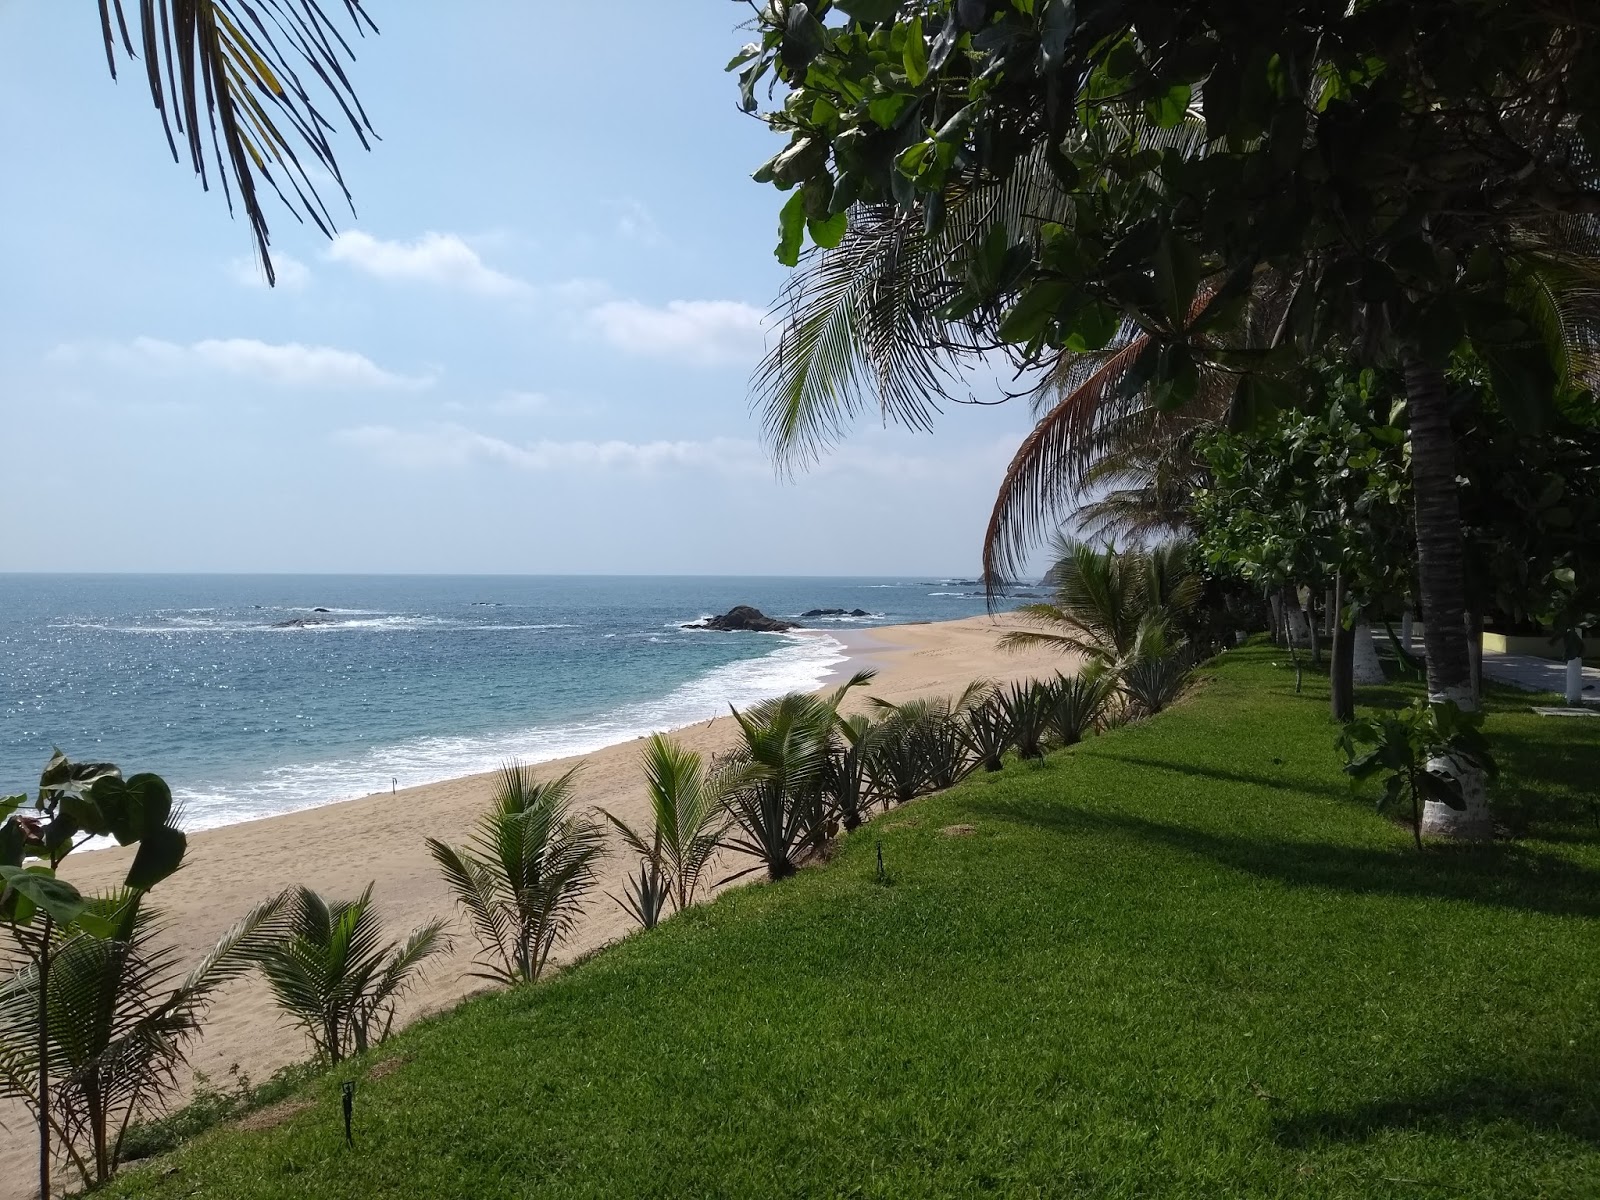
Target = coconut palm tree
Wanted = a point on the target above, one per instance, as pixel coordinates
(332, 973)
(121, 1020)
(1114, 607)
(689, 823)
(525, 876)
(258, 75)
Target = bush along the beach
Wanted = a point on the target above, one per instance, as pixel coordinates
(45, 914)
(688, 826)
(1026, 705)
(121, 1019)
(849, 782)
(1074, 704)
(331, 972)
(772, 778)
(1417, 752)
(524, 878)
(987, 731)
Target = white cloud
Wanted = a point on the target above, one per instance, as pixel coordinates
(451, 446)
(455, 446)
(700, 332)
(293, 275)
(520, 403)
(442, 259)
(288, 364)
(637, 225)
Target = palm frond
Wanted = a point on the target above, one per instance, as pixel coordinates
(230, 66)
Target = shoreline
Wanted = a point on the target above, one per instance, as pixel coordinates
(337, 848)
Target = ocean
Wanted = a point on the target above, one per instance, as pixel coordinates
(257, 695)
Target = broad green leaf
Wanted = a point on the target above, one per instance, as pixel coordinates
(829, 231)
(915, 55)
(160, 854)
(791, 230)
(1168, 109)
(1037, 307)
(55, 896)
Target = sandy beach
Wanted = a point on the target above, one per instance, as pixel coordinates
(338, 848)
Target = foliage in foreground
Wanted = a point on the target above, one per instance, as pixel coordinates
(332, 974)
(523, 879)
(1177, 960)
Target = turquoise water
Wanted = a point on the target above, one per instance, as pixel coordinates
(250, 702)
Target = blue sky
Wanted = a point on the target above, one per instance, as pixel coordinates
(528, 353)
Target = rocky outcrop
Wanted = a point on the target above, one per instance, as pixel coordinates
(303, 622)
(743, 619)
(834, 612)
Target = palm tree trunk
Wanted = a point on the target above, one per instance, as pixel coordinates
(1442, 583)
(1367, 670)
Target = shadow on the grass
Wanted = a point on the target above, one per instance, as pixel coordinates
(1500, 875)
(1564, 1105)
(1222, 775)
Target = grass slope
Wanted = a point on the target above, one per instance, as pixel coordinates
(1179, 960)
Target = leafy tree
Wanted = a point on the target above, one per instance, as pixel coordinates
(120, 1020)
(524, 878)
(1405, 176)
(1407, 747)
(75, 802)
(331, 971)
(230, 66)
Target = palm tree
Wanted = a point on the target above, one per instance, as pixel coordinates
(774, 781)
(525, 877)
(120, 1022)
(230, 66)
(1115, 608)
(689, 821)
(332, 973)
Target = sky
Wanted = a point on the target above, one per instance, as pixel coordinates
(528, 352)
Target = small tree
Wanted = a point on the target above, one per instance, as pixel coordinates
(332, 973)
(75, 802)
(120, 1020)
(689, 821)
(524, 880)
(1419, 751)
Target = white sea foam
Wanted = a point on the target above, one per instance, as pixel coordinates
(801, 662)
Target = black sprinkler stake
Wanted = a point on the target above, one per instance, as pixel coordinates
(348, 1101)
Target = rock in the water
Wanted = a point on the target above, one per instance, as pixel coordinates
(743, 618)
(859, 612)
(302, 622)
(322, 610)
(823, 612)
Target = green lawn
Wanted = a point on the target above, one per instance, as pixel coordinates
(1180, 960)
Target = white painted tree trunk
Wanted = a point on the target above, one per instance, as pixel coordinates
(1405, 631)
(1367, 669)
(1299, 628)
(1574, 681)
(1474, 822)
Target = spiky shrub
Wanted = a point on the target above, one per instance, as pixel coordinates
(1154, 683)
(1026, 705)
(1075, 704)
(524, 878)
(121, 1020)
(774, 780)
(332, 973)
(987, 732)
(645, 893)
(688, 825)
(848, 782)
(925, 749)
(895, 770)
